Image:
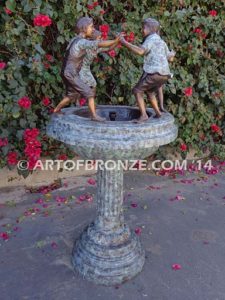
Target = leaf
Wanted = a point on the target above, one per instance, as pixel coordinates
(11, 4)
(39, 49)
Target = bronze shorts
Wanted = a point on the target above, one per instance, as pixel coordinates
(150, 83)
(76, 88)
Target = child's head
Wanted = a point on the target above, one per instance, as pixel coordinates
(150, 26)
(96, 35)
(85, 25)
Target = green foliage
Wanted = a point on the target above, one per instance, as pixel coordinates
(198, 64)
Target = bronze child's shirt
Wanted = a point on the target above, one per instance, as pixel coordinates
(76, 52)
(156, 56)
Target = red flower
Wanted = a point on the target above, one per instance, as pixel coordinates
(24, 102)
(130, 38)
(197, 30)
(176, 267)
(95, 3)
(12, 158)
(7, 11)
(104, 28)
(3, 142)
(112, 53)
(91, 181)
(90, 6)
(31, 134)
(102, 12)
(200, 33)
(215, 128)
(219, 53)
(46, 101)
(213, 13)
(183, 147)
(49, 57)
(32, 162)
(4, 236)
(188, 91)
(42, 20)
(46, 65)
(104, 35)
(203, 35)
(2, 65)
(62, 157)
(82, 101)
(138, 231)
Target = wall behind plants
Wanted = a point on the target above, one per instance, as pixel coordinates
(34, 35)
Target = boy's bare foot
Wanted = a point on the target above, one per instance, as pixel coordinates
(141, 119)
(157, 116)
(98, 119)
(162, 109)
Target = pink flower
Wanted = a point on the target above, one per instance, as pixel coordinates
(46, 101)
(138, 230)
(176, 267)
(91, 181)
(3, 142)
(39, 201)
(89, 198)
(82, 101)
(7, 11)
(183, 147)
(213, 13)
(60, 199)
(188, 91)
(42, 20)
(102, 12)
(112, 53)
(82, 197)
(4, 236)
(12, 158)
(133, 205)
(24, 102)
(2, 65)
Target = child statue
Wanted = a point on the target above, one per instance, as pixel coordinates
(156, 70)
(73, 60)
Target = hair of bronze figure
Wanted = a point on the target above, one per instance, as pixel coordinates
(152, 24)
(82, 24)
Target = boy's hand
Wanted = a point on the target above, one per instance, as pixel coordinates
(122, 40)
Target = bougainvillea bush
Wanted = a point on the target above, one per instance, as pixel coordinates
(34, 35)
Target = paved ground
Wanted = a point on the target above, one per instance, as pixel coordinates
(182, 223)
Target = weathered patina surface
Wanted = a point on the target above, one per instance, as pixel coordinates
(107, 252)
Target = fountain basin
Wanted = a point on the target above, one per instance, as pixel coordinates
(116, 139)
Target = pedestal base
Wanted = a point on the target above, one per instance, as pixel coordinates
(108, 257)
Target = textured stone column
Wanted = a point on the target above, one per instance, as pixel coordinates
(107, 252)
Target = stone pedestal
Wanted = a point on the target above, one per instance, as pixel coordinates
(107, 252)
